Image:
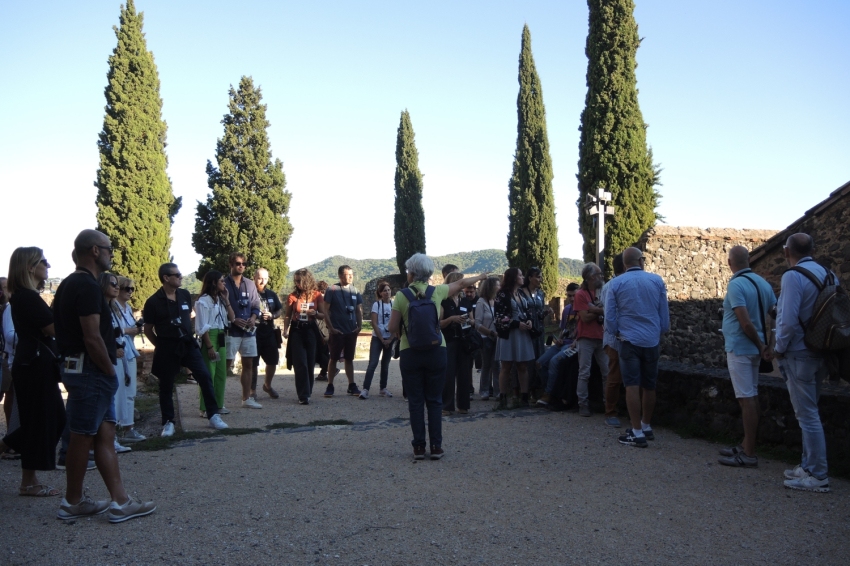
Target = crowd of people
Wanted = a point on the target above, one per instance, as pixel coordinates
(439, 333)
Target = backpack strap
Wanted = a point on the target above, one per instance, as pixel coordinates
(429, 291)
(811, 276)
(408, 294)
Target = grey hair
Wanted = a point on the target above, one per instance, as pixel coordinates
(420, 266)
(588, 270)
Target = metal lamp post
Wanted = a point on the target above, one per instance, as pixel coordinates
(598, 206)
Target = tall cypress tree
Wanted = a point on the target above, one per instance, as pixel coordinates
(612, 152)
(532, 232)
(409, 214)
(248, 206)
(135, 203)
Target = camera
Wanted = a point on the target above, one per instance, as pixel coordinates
(119, 344)
(242, 303)
(176, 321)
(522, 317)
(349, 308)
(140, 323)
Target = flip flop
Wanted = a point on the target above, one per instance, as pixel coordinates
(43, 491)
(10, 454)
(272, 393)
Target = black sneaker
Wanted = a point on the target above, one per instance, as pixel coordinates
(322, 376)
(629, 439)
(303, 401)
(352, 389)
(418, 452)
(329, 392)
(436, 452)
(649, 434)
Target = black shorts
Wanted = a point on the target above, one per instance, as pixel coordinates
(267, 349)
(343, 344)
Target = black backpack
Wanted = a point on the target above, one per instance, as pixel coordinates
(828, 329)
(423, 324)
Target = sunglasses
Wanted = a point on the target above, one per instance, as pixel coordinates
(113, 284)
(240, 264)
(177, 275)
(128, 289)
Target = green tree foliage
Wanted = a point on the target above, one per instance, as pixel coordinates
(612, 152)
(409, 214)
(135, 203)
(532, 232)
(248, 206)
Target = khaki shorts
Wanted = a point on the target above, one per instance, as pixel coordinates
(246, 346)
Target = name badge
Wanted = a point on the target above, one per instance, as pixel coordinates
(185, 307)
(244, 294)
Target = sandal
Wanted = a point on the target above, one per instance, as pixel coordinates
(42, 491)
(10, 454)
(272, 393)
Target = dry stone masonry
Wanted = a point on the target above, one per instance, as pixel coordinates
(692, 262)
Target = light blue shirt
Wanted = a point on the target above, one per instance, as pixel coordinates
(742, 293)
(796, 301)
(636, 308)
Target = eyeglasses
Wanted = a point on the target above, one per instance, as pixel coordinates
(128, 289)
(240, 264)
(110, 249)
(177, 275)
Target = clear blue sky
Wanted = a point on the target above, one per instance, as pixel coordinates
(746, 103)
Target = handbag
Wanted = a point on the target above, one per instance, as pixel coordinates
(765, 366)
(471, 340)
(278, 337)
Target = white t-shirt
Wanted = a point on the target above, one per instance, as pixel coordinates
(383, 311)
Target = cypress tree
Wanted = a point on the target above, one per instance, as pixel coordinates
(135, 203)
(409, 215)
(612, 152)
(248, 206)
(532, 232)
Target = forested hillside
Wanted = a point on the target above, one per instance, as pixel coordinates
(468, 262)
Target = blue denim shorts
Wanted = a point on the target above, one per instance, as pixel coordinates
(639, 366)
(91, 399)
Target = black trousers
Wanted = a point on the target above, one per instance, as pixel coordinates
(302, 348)
(168, 357)
(458, 375)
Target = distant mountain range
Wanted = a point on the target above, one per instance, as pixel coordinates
(468, 262)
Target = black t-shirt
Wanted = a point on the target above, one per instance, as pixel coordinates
(454, 331)
(270, 298)
(80, 295)
(161, 311)
(29, 315)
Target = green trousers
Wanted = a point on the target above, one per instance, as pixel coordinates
(218, 370)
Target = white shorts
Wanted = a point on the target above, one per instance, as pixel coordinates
(744, 371)
(246, 346)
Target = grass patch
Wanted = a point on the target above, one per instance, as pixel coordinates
(329, 423)
(278, 426)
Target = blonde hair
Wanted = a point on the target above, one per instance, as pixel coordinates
(20, 277)
(453, 276)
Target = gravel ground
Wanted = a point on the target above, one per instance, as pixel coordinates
(515, 487)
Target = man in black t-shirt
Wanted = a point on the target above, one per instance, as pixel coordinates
(267, 345)
(168, 326)
(86, 340)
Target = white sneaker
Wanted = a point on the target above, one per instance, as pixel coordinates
(119, 449)
(249, 403)
(217, 423)
(364, 393)
(202, 414)
(797, 473)
(168, 429)
(386, 393)
(224, 411)
(486, 396)
(809, 483)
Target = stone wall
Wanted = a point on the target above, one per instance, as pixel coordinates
(692, 262)
(828, 224)
(704, 400)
